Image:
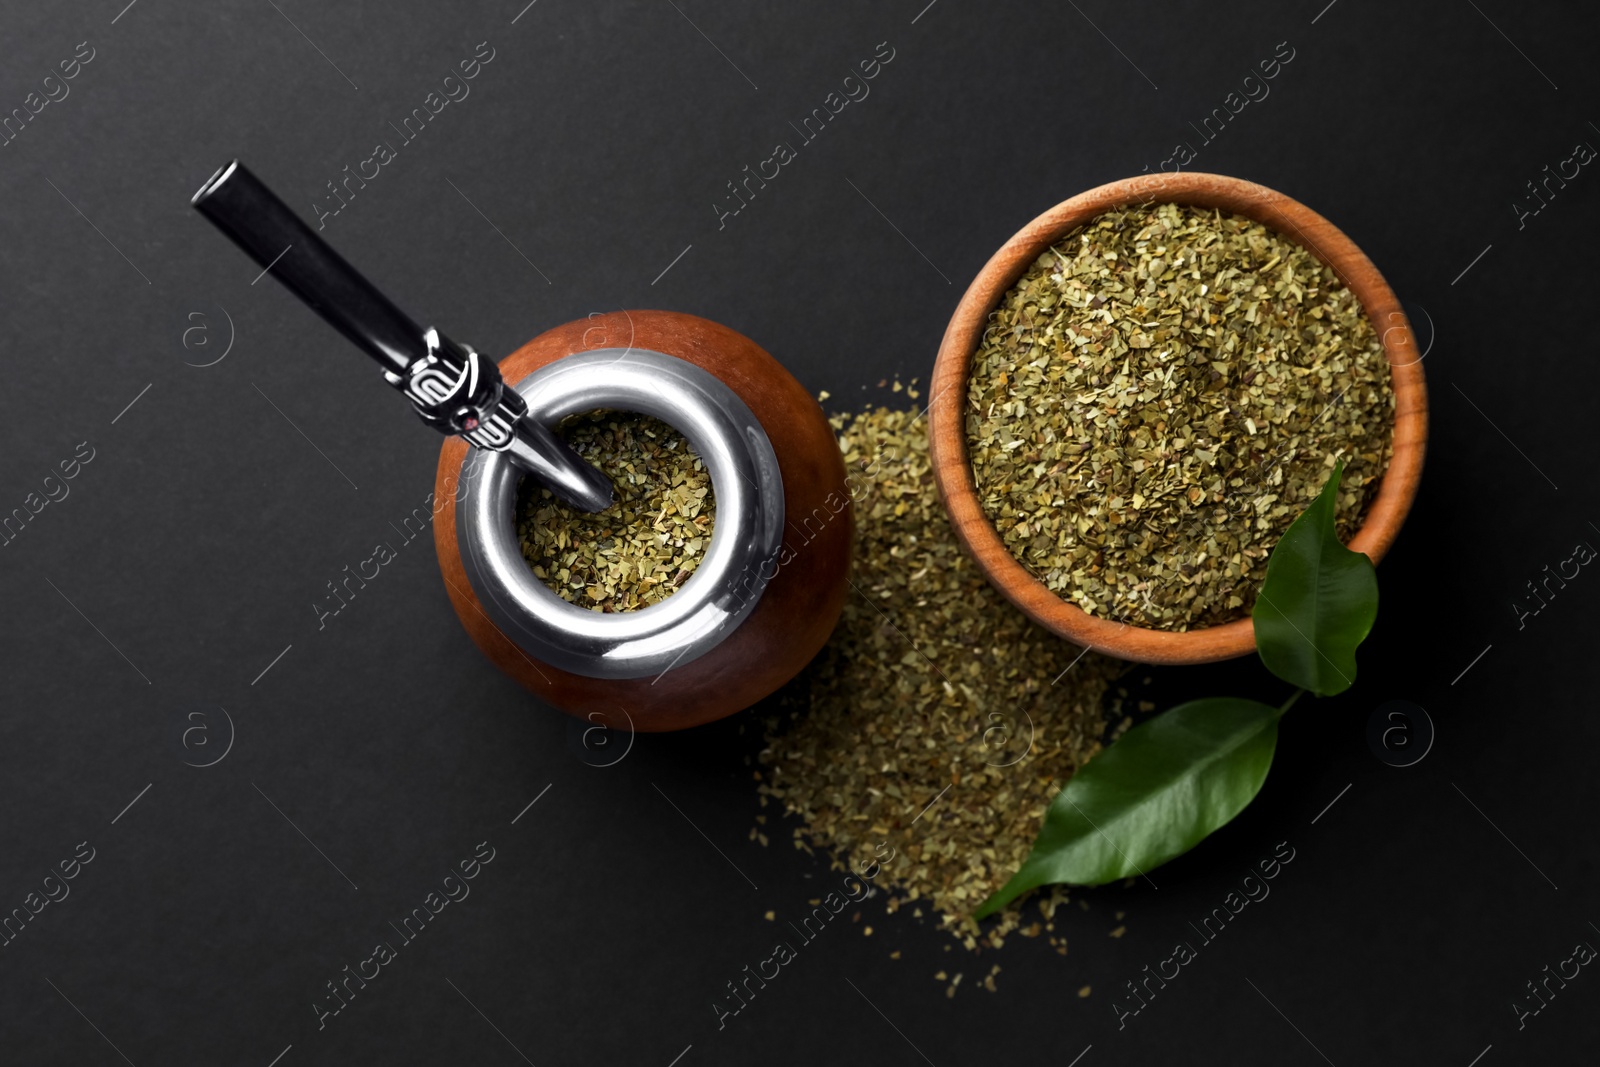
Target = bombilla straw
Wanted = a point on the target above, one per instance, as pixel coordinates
(450, 385)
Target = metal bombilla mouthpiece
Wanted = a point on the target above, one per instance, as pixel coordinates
(451, 386)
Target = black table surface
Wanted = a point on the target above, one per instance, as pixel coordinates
(231, 455)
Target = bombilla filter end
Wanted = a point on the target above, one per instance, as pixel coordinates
(545, 456)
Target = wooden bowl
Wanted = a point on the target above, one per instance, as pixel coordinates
(803, 599)
(952, 469)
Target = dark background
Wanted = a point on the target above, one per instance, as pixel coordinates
(190, 548)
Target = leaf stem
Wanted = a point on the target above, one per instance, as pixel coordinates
(1287, 704)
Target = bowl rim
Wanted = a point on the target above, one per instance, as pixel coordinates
(952, 469)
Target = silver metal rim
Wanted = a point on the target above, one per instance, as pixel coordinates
(745, 539)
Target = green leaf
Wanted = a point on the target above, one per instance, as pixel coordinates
(1318, 602)
(1152, 795)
